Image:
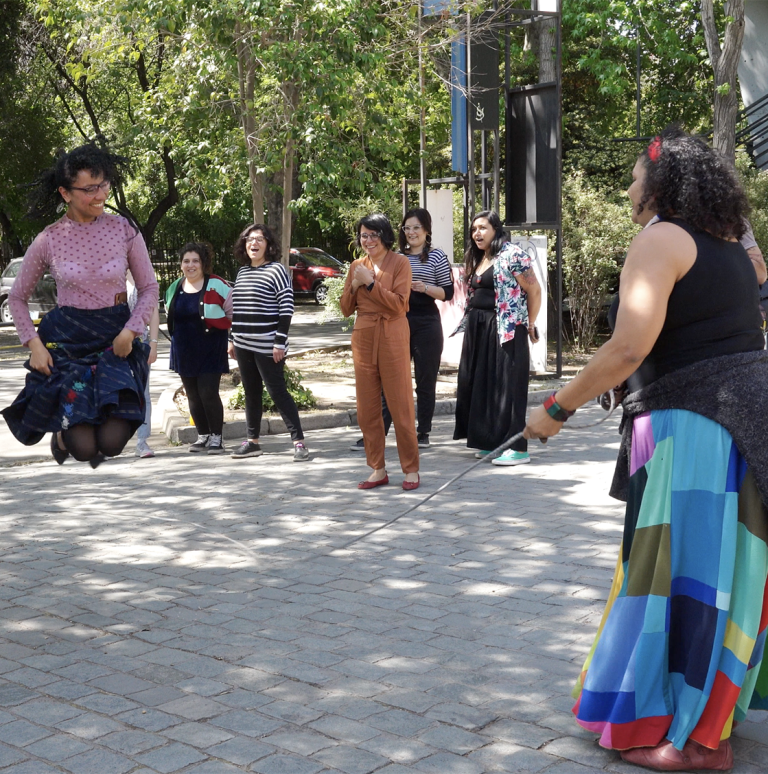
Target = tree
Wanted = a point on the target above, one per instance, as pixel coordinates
(725, 64)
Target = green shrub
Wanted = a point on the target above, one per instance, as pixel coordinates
(597, 231)
(756, 186)
(302, 397)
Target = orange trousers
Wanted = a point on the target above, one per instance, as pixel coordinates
(382, 358)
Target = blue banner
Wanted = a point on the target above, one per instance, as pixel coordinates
(459, 106)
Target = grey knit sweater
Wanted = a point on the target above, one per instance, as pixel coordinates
(731, 390)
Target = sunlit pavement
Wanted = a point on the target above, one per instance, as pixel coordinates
(188, 613)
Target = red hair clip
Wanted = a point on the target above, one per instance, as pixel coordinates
(654, 149)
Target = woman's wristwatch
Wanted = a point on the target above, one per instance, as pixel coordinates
(555, 410)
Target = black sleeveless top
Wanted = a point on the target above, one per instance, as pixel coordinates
(712, 310)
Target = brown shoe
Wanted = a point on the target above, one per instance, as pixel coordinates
(665, 757)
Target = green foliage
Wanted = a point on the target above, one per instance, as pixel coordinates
(596, 235)
(302, 397)
(756, 186)
(332, 308)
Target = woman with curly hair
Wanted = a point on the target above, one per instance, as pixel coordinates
(263, 309)
(199, 310)
(678, 657)
(88, 369)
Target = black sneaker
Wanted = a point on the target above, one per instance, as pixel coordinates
(216, 447)
(200, 445)
(300, 453)
(247, 449)
(423, 439)
(358, 445)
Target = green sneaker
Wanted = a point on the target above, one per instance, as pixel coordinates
(512, 458)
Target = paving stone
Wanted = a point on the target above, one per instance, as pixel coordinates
(588, 753)
(21, 733)
(453, 739)
(248, 723)
(399, 722)
(154, 697)
(149, 719)
(11, 694)
(9, 756)
(172, 757)
(197, 734)
(446, 763)
(214, 767)
(98, 762)
(31, 767)
(462, 715)
(90, 726)
(241, 750)
(344, 729)
(285, 764)
(131, 742)
(299, 741)
(47, 713)
(57, 748)
(351, 760)
(194, 708)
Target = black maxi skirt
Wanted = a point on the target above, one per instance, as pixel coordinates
(492, 391)
(88, 382)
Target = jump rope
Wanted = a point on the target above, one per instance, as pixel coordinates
(607, 401)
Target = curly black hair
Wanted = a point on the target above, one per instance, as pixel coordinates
(425, 219)
(273, 249)
(203, 251)
(474, 254)
(379, 223)
(685, 178)
(44, 199)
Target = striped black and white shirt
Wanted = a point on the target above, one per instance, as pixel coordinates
(434, 271)
(262, 304)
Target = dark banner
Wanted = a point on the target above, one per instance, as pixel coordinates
(484, 74)
(533, 166)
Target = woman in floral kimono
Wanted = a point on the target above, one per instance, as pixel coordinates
(503, 299)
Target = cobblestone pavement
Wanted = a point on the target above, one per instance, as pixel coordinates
(183, 614)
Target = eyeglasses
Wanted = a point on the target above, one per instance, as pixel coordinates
(407, 229)
(364, 237)
(92, 190)
(258, 239)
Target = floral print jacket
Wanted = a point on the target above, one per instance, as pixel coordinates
(511, 299)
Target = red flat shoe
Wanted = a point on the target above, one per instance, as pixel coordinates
(373, 484)
(664, 757)
(410, 485)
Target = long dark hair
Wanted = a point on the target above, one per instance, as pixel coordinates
(379, 223)
(44, 199)
(474, 254)
(425, 219)
(272, 253)
(685, 178)
(203, 251)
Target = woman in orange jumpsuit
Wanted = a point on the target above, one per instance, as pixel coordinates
(377, 288)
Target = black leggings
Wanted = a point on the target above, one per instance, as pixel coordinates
(426, 351)
(257, 370)
(205, 402)
(84, 441)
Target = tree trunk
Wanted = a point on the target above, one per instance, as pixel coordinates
(246, 71)
(546, 34)
(291, 96)
(274, 201)
(725, 63)
(9, 235)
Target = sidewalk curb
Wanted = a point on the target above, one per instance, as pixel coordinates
(178, 430)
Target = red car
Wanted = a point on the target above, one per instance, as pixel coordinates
(310, 267)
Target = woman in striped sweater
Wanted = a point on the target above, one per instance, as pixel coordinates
(263, 308)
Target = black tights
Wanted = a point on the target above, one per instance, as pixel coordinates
(205, 402)
(84, 442)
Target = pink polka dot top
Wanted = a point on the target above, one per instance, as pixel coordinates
(89, 263)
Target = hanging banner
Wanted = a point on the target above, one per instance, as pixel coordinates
(484, 75)
(459, 106)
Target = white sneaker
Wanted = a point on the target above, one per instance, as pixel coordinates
(143, 450)
(512, 458)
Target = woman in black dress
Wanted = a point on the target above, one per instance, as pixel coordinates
(503, 299)
(199, 309)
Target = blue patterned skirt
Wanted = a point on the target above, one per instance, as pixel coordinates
(88, 382)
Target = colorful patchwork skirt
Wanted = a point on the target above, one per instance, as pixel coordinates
(679, 651)
(88, 382)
